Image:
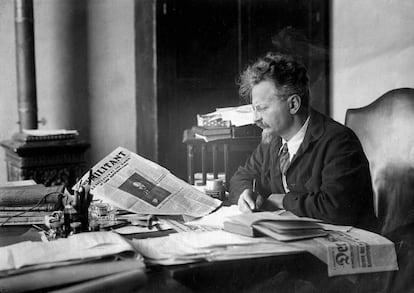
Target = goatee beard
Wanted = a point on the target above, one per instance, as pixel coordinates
(267, 136)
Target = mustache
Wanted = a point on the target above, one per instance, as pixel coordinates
(261, 124)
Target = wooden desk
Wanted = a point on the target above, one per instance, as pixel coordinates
(284, 273)
(289, 273)
(230, 148)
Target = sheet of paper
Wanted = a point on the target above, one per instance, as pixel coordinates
(133, 230)
(217, 218)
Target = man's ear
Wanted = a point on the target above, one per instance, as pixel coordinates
(294, 102)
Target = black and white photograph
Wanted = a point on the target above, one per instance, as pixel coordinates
(207, 146)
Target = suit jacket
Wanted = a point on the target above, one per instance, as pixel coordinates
(328, 178)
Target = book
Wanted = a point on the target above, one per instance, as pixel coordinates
(211, 130)
(208, 138)
(29, 194)
(22, 220)
(27, 213)
(281, 225)
(41, 207)
(32, 135)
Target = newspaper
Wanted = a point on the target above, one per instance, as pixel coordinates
(352, 252)
(131, 182)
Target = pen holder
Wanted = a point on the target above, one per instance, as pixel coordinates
(83, 201)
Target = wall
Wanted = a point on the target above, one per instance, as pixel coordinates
(111, 76)
(8, 94)
(372, 51)
(85, 71)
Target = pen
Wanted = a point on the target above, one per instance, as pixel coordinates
(254, 185)
(90, 177)
(40, 229)
(88, 194)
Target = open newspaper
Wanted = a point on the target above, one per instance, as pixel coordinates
(131, 182)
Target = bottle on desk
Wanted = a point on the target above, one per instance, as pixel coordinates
(70, 215)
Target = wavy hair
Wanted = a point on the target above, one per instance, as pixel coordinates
(287, 74)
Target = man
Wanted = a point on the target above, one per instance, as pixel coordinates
(306, 163)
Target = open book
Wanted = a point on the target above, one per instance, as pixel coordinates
(281, 225)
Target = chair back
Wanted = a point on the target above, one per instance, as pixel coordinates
(386, 130)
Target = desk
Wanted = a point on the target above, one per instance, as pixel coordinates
(229, 147)
(286, 273)
(290, 273)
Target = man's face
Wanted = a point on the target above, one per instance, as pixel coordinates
(271, 113)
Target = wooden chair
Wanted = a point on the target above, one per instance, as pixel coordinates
(386, 130)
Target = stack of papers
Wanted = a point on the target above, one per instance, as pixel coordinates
(28, 255)
(226, 117)
(189, 247)
(91, 259)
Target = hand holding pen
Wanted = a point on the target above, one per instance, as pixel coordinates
(250, 200)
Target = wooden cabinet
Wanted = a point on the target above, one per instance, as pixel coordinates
(48, 162)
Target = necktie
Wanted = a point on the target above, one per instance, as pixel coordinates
(284, 159)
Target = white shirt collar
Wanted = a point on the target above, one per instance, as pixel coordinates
(295, 142)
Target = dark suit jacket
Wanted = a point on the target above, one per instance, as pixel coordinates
(328, 178)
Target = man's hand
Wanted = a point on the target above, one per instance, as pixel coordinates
(250, 201)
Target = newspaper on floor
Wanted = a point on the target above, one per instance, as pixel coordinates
(131, 182)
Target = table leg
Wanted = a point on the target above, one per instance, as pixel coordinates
(226, 152)
(204, 163)
(215, 167)
(190, 164)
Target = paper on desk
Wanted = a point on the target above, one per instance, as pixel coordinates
(131, 182)
(253, 250)
(187, 247)
(236, 116)
(217, 218)
(77, 247)
(133, 230)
